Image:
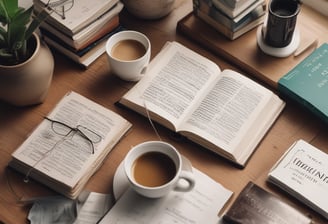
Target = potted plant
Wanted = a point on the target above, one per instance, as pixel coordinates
(26, 63)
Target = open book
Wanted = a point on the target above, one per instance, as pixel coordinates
(70, 144)
(223, 111)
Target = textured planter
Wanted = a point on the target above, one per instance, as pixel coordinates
(28, 83)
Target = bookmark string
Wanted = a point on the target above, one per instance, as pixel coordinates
(151, 122)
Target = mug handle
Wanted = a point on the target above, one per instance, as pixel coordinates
(186, 181)
(141, 74)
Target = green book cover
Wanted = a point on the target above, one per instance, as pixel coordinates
(307, 82)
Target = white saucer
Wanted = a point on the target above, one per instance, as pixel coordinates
(121, 183)
(278, 52)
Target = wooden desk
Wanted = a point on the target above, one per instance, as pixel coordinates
(99, 85)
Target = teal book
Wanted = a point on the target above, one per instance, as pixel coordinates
(307, 82)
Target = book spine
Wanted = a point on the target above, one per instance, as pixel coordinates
(86, 49)
(233, 24)
(304, 103)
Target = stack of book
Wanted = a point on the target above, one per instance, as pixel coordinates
(79, 29)
(232, 18)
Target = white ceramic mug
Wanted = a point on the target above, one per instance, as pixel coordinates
(182, 177)
(128, 69)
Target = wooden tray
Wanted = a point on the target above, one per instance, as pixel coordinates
(244, 52)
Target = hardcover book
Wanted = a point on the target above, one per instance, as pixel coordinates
(307, 82)
(303, 172)
(223, 111)
(99, 28)
(70, 144)
(84, 57)
(232, 28)
(70, 17)
(256, 205)
(235, 24)
(243, 8)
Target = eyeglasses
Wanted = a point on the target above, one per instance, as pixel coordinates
(60, 7)
(68, 133)
(63, 129)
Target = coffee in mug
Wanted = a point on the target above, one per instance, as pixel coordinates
(128, 54)
(127, 50)
(153, 169)
(156, 168)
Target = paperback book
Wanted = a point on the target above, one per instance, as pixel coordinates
(303, 172)
(234, 27)
(70, 144)
(99, 28)
(233, 24)
(86, 56)
(70, 17)
(243, 8)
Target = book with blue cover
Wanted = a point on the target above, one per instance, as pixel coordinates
(307, 82)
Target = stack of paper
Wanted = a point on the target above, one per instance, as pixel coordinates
(79, 29)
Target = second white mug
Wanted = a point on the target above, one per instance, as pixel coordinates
(128, 54)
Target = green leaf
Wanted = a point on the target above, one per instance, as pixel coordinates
(5, 54)
(11, 7)
(37, 20)
(17, 27)
(4, 17)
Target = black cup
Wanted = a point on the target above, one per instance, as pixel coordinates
(281, 22)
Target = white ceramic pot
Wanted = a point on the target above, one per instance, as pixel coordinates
(149, 9)
(28, 83)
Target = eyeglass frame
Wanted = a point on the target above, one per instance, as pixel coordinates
(59, 3)
(77, 130)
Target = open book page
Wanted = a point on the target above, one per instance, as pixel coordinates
(222, 111)
(201, 205)
(67, 155)
(236, 112)
(176, 79)
(303, 172)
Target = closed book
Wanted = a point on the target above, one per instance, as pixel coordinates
(256, 205)
(89, 34)
(303, 172)
(72, 16)
(233, 24)
(235, 3)
(307, 82)
(242, 9)
(85, 56)
(227, 32)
